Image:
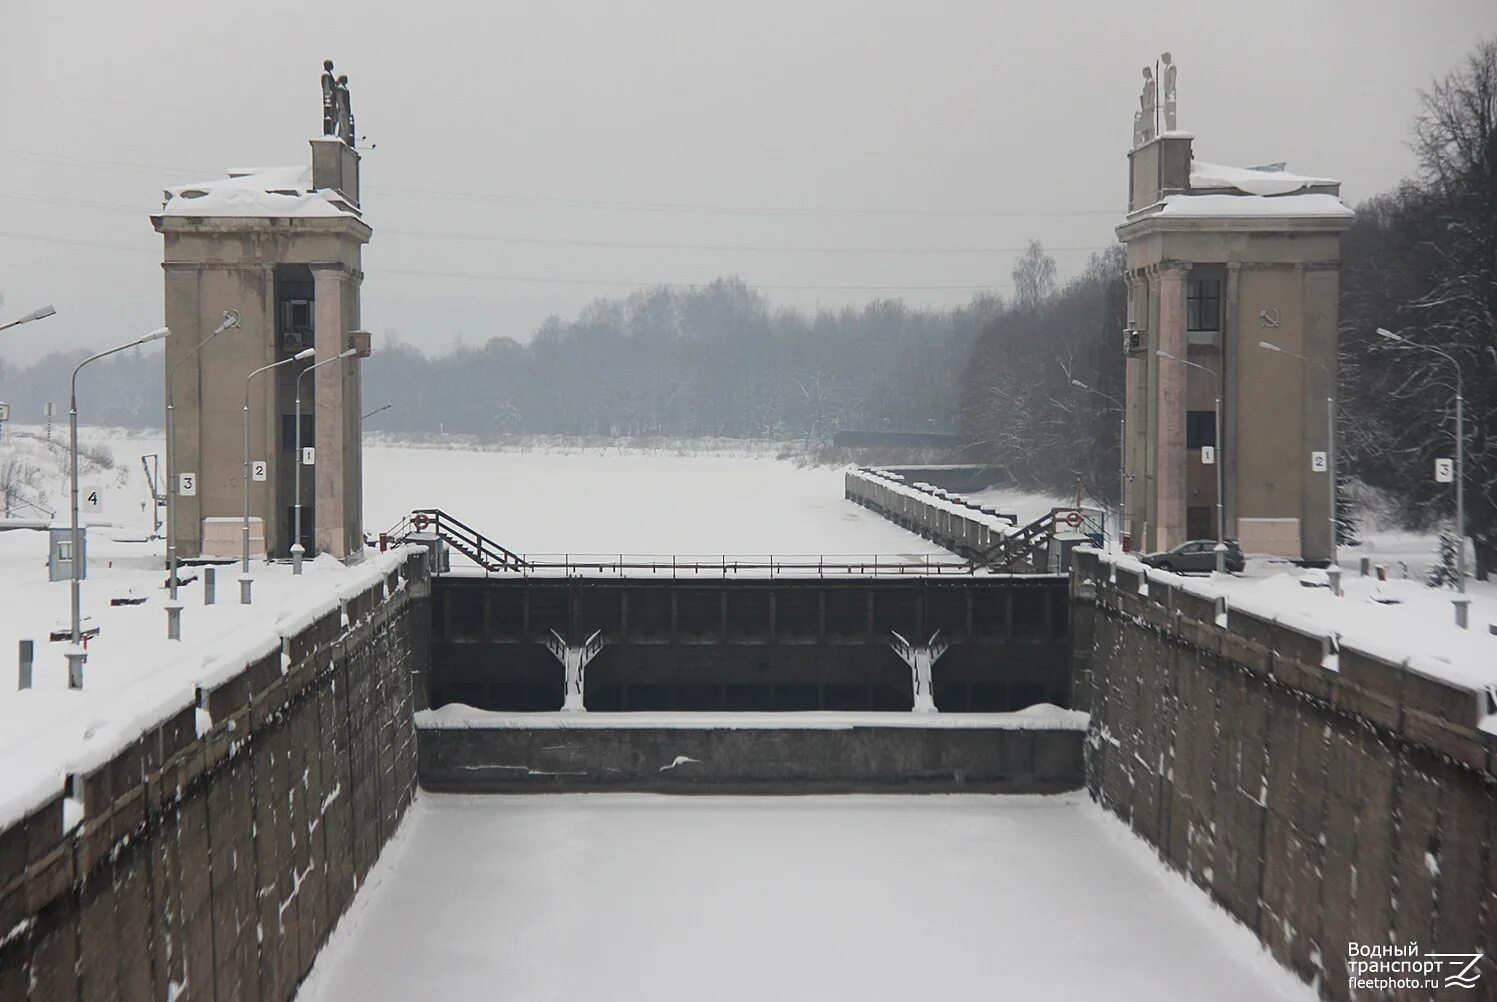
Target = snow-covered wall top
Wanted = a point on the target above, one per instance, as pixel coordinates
(1252, 181)
(1340, 649)
(1309, 205)
(257, 191)
(35, 766)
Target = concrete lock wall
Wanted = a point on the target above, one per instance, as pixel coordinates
(214, 866)
(724, 759)
(1320, 802)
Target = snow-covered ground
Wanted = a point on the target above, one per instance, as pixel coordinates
(624, 897)
(134, 675)
(1026, 505)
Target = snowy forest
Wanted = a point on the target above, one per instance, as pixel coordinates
(722, 360)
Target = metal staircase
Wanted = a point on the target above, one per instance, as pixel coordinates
(1025, 550)
(463, 538)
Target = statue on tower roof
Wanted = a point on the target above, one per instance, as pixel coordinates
(1171, 113)
(337, 105)
(1146, 125)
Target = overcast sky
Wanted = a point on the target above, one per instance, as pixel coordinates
(524, 158)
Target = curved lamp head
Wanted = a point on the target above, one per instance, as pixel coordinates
(1077, 382)
(155, 335)
(45, 311)
(1384, 332)
(305, 353)
(1269, 346)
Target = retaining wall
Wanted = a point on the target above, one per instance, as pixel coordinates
(1322, 795)
(214, 865)
(721, 758)
(965, 528)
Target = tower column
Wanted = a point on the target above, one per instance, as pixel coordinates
(1169, 466)
(1134, 412)
(328, 338)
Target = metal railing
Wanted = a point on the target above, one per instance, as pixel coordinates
(739, 565)
(493, 558)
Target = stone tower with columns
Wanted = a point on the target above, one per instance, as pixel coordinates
(283, 247)
(1219, 260)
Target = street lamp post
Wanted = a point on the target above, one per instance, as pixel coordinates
(174, 632)
(244, 569)
(1221, 486)
(1330, 431)
(75, 653)
(1460, 469)
(297, 550)
(1122, 452)
(44, 312)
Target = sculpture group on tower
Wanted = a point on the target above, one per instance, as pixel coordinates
(1146, 123)
(337, 106)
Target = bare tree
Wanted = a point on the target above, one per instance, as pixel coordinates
(1034, 275)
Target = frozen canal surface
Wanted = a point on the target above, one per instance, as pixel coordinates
(603, 502)
(624, 897)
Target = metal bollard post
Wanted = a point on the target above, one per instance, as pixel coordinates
(1366, 565)
(27, 658)
(1462, 609)
(210, 585)
(1334, 574)
(244, 589)
(173, 620)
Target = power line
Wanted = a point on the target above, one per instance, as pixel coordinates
(625, 283)
(49, 239)
(560, 279)
(728, 210)
(753, 248)
(605, 204)
(497, 238)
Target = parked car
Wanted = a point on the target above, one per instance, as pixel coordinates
(1196, 555)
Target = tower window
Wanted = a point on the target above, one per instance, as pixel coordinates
(296, 325)
(1200, 429)
(1203, 304)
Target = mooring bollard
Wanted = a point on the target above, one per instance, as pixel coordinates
(1366, 565)
(27, 657)
(76, 657)
(210, 585)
